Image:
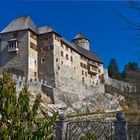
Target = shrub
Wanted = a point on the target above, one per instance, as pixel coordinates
(19, 120)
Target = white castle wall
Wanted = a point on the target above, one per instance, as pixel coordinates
(34, 85)
(78, 97)
(123, 86)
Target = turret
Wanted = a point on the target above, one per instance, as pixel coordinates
(81, 41)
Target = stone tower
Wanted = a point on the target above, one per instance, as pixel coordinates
(81, 41)
(18, 48)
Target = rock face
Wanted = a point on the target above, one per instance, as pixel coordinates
(98, 102)
(44, 109)
(85, 99)
(122, 86)
(92, 98)
(71, 103)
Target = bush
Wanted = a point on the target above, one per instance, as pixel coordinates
(19, 120)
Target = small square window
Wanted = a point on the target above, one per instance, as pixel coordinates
(67, 48)
(67, 57)
(33, 35)
(12, 44)
(56, 59)
(43, 60)
(71, 58)
(61, 53)
(82, 79)
(33, 46)
(61, 45)
(35, 74)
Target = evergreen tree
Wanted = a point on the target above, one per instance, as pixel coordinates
(131, 66)
(19, 120)
(113, 69)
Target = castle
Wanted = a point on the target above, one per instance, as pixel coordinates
(40, 53)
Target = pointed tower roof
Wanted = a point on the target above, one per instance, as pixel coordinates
(20, 23)
(80, 36)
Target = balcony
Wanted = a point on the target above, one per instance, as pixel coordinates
(93, 70)
(93, 64)
(14, 49)
(13, 45)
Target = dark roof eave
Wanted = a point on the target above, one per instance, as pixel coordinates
(17, 31)
(80, 38)
(71, 45)
(30, 30)
(50, 32)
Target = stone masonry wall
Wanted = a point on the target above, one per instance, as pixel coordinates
(32, 57)
(70, 87)
(122, 86)
(46, 68)
(34, 85)
(18, 61)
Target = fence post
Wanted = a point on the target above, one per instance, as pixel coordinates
(59, 135)
(120, 127)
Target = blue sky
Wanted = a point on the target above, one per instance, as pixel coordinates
(97, 20)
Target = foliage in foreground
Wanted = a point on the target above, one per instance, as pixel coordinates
(18, 119)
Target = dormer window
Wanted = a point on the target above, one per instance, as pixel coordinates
(13, 45)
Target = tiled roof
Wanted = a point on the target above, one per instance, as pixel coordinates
(79, 36)
(20, 23)
(25, 22)
(90, 55)
(45, 29)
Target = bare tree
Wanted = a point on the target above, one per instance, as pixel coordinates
(133, 25)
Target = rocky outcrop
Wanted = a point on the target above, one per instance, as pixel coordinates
(106, 97)
(43, 110)
(101, 102)
(97, 99)
(74, 103)
(71, 104)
